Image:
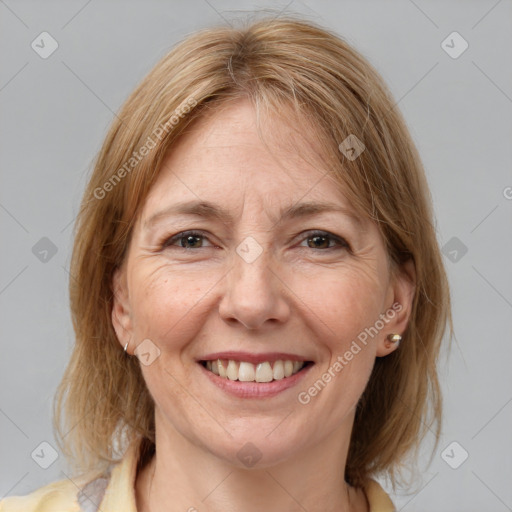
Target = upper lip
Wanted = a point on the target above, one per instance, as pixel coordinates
(253, 358)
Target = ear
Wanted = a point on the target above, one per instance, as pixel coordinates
(399, 307)
(121, 313)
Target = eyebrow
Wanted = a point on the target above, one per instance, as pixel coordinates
(209, 210)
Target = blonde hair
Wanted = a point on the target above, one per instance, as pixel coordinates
(102, 400)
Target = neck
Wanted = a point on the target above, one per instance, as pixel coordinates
(184, 477)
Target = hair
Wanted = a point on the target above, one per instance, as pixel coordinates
(285, 65)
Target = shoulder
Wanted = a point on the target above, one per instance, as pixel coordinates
(110, 491)
(378, 499)
(61, 496)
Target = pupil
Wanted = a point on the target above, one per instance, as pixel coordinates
(317, 240)
(190, 239)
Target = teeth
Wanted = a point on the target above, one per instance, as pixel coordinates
(223, 372)
(232, 371)
(278, 370)
(248, 372)
(264, 372)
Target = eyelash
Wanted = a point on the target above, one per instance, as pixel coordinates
(342, 243)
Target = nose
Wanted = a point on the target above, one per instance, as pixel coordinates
(255, 293)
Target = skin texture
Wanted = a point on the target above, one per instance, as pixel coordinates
(295, 297)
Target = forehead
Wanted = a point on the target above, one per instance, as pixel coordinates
(231, 156)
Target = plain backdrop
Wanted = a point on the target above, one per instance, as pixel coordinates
(55, 112)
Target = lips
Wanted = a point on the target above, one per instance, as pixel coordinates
(253, 358)
(252, 389)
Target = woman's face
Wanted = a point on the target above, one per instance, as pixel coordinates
(265, 276)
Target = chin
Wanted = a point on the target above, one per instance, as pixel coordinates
(257, 447)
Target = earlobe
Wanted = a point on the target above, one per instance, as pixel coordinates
(403, 291)
(121, 315)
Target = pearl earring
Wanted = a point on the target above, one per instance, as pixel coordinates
(393, 339)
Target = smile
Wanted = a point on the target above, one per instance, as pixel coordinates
(244, 371)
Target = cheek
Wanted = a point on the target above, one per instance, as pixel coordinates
(344, 302)
(360, 297)
(165, 305)
(343, 309)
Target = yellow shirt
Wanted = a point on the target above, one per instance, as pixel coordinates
(117, 493)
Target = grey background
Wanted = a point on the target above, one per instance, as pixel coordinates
(55, 113)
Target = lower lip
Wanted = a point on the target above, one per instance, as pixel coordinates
(255, 389)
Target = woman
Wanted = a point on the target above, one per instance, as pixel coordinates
(257, 291)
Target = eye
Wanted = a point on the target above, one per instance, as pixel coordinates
(186, 240)
(323, 240)
(315, 239)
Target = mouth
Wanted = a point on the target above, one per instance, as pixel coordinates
(261, 368)
(263, 371)
(245, 375)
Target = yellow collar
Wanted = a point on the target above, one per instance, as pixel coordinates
(119, 494)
